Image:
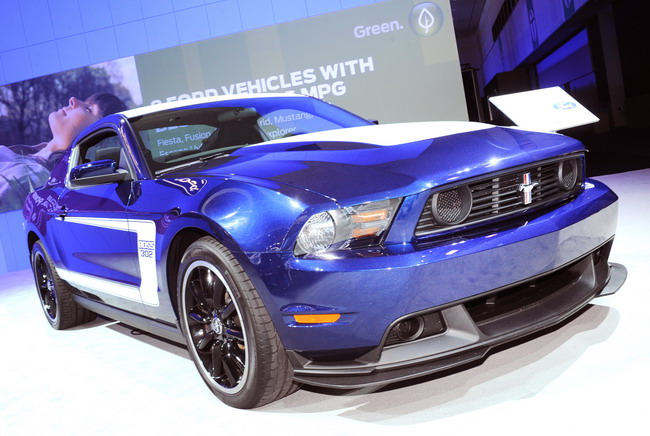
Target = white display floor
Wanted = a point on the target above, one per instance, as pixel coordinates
(590, 376)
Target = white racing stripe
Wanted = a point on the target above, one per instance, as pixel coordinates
(145, 231)
(387, 134)
(88, 282)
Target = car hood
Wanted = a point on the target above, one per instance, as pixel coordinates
(385, 161)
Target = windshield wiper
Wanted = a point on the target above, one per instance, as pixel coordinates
(176, 167)
(213, 156)
(192, 162)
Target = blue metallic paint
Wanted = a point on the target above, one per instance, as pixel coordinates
(256, 200)
(389, 284)
(392, 171)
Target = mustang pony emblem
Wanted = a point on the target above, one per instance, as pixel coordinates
(527, 188)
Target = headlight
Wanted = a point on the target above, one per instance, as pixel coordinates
(341, 228)
(317, 234)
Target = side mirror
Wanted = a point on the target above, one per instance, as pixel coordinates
(97, 173)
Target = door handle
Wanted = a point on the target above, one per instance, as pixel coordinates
(61, 213)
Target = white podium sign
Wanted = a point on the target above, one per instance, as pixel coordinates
(548, 110)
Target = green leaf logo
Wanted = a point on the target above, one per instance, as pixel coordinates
(426, 19)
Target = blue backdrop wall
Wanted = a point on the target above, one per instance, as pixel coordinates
(39, 37)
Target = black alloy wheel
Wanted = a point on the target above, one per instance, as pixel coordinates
(45, 286)
(54, 294)
(215, 327)
(229, 333)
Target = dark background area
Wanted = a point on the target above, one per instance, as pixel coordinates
(600, 55)
(619, 150)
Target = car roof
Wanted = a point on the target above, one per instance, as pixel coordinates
(146, 110)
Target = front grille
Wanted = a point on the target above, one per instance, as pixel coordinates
(501, 194)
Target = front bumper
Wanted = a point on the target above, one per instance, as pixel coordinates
(469, 336)
(375, 290)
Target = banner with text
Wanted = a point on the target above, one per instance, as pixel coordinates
(393, 61)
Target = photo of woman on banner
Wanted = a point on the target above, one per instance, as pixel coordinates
(25, 167)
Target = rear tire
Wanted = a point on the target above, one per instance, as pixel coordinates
(55, 295)
(229, 333)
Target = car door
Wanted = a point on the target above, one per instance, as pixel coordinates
(97, 246)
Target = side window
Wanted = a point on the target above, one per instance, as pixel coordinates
(101, 146)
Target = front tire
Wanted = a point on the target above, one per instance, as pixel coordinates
(55, 295)
(229, 333)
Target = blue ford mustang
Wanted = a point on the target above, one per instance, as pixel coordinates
(288, 241)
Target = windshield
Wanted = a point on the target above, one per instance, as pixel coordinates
(179, 137)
